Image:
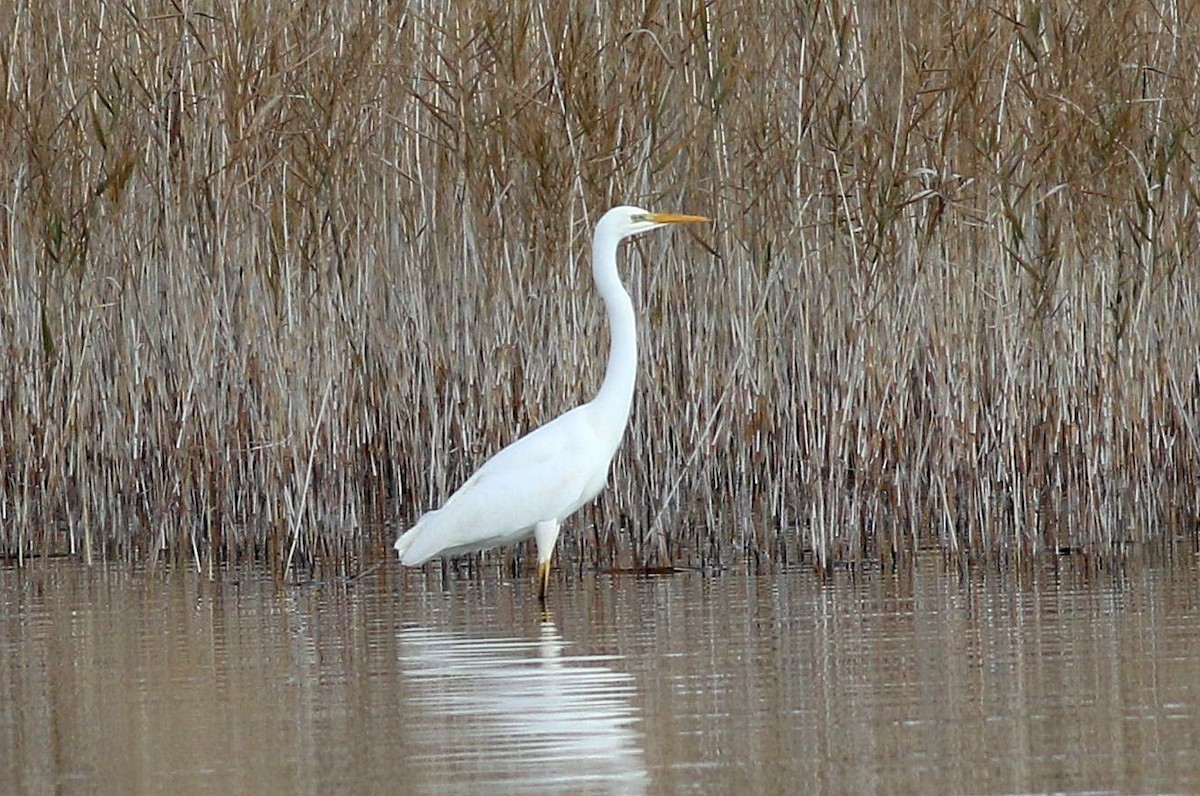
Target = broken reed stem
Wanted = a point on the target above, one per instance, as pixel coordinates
(949, 300)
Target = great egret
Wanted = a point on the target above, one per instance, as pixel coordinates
(529, 487)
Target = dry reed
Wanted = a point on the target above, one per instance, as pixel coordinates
(276, 276)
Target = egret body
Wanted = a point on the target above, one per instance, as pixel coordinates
(531, 486)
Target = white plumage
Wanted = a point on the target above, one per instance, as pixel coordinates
(531, 486)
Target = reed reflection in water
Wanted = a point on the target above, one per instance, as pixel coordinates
(924, 680)
(522, 714)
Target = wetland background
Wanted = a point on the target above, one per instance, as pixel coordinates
(277, 276)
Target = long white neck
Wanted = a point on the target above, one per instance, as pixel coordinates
(616, 392)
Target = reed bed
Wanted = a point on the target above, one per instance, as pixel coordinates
(277, 276)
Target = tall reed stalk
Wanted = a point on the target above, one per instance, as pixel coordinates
(277, 276)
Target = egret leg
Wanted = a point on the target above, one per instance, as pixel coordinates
(545, 534)
(543, 580)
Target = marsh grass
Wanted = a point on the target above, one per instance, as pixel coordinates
(277, 276)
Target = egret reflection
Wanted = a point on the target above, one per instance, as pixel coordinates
(523, 714)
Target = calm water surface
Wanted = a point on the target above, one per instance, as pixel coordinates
(922, 682)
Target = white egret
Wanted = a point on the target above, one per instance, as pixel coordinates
(531, 486)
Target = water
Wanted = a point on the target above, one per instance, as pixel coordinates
(922, 682)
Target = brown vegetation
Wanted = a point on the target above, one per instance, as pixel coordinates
(274, 273)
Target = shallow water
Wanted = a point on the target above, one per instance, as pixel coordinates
(922, 682)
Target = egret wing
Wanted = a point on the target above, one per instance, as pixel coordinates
(545, 475)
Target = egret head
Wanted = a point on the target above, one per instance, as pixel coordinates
(624, 221)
